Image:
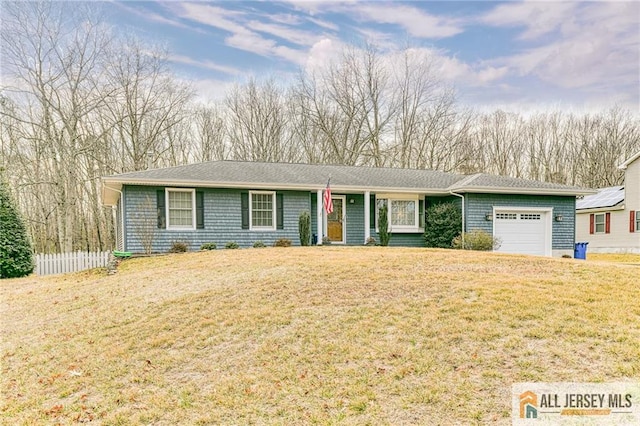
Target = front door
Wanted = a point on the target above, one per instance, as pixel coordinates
(335, 220)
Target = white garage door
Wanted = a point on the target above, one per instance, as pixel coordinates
(523, 232)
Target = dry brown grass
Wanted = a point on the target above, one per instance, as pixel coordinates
(633, 259)
(332, 335)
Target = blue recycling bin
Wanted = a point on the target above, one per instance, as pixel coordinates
(580, 251)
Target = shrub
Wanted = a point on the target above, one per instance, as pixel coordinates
(476, 240)
(232, 245)
(304, 228)
(282, 242)
(259, 244)
(370, 242)
(16, 255)
(383, 226)
(208, 246)
(179, 247)
(443, 223)
(326, 241)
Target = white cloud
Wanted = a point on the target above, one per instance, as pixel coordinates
(211, 90)
(324, 24)
(600, 48)
(286, 19)
(241, 36)
(538, 18)
(285, 33)
(210, 65)
(379, 39)
(413, 20)
(152, 16)
(323, 53)
(211, 15)
(450, 68)
(252, 42)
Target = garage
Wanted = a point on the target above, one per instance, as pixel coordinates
(523, 231)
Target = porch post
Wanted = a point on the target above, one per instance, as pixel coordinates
(367, 219)
(325, 223)
(319, 220)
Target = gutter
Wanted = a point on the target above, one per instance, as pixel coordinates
(601, 209)
(107, 183)
(463, 231)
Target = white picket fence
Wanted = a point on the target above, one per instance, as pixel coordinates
(61, 263)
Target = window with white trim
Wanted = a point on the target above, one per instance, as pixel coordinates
(637, 220)
(262, 210)
(599, 221)
(506, 216)
(403, 214)
(181, 210)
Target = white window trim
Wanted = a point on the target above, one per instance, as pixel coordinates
(637, 221)
(400, 197)
(604, 223)
(275, 208)
(193, 209)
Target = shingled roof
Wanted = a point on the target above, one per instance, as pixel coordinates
(311, 177)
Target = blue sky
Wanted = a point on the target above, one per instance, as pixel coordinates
(512, 55)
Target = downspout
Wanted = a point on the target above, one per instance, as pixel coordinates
(462, 197)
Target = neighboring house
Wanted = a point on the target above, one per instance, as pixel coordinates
(610, 220)
(247, 202)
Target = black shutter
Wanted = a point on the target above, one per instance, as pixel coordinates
(372, 211)
(199, 210)
(244, 205)
(162, 214)
(279, 212)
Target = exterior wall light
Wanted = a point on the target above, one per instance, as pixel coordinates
(559, 218)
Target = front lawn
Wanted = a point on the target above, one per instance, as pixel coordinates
(330, 335)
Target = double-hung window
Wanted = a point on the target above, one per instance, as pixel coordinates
(262, 210)
(181, 212)
(637, 220)
(599, 222)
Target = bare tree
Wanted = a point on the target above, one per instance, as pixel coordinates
(259, 122)
(55, 63)
(147, 102)
(209, 133)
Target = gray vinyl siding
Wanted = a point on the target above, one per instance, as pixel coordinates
(314, 216)
(402, 240)
(355, 219)
(563, 233)
(432, 201)
(222, 220)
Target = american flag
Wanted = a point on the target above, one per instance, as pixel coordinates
(328, 202)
